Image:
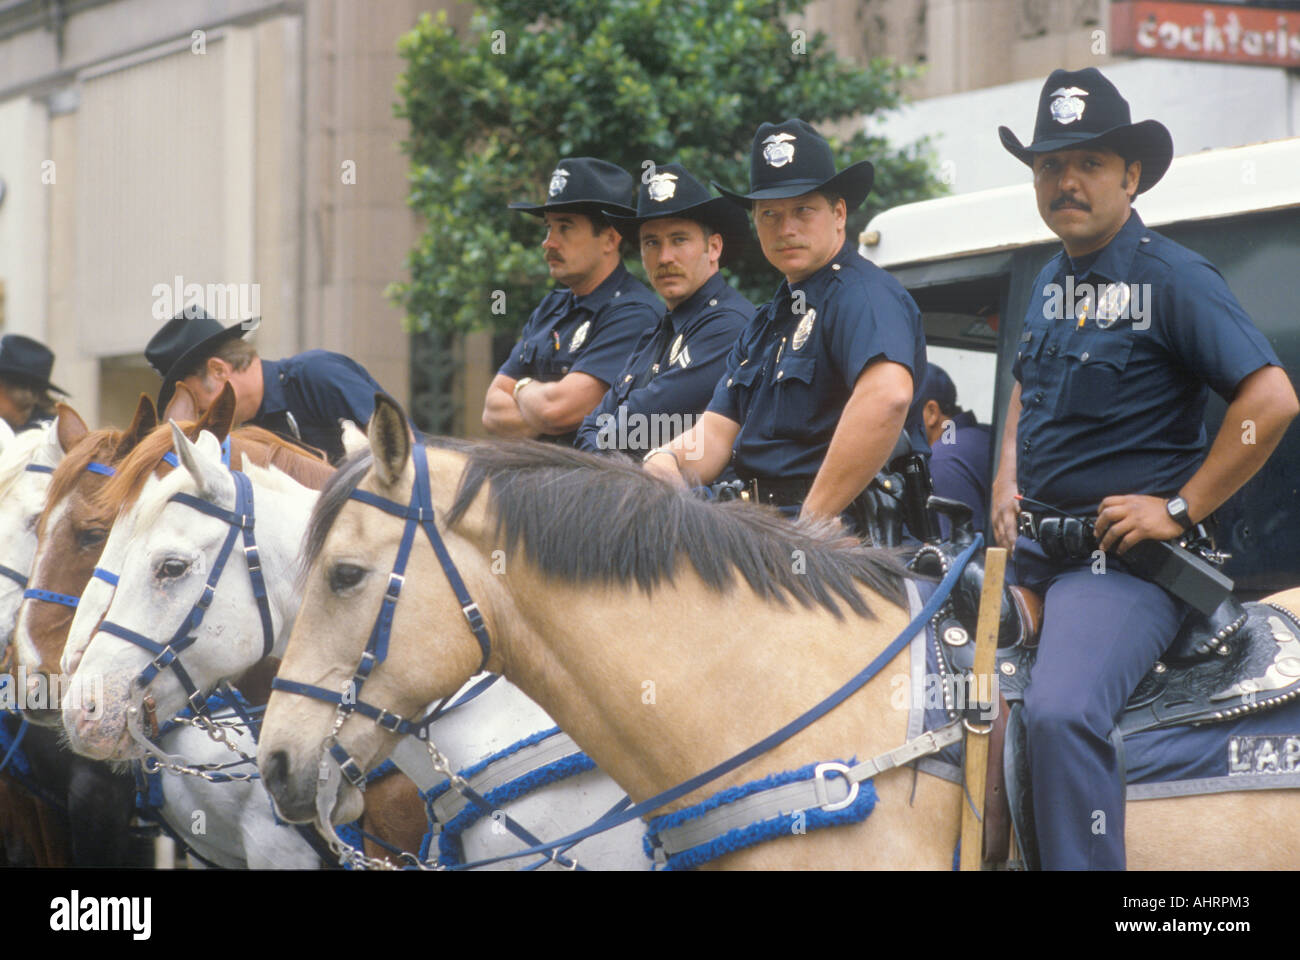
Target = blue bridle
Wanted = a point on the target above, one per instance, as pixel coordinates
(17, 576)
(103, 470)
(166, 655)
(49, 596)
(418, 513)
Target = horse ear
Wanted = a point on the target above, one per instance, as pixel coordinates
(71, 427)
(390, 440)
(354, 440)
(182, 406)
(220, 417)
(144, 421)
(201, 459)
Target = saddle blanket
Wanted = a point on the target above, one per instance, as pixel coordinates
(1256, 751)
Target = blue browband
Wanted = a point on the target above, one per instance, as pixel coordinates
(418, 513)
(167, 655)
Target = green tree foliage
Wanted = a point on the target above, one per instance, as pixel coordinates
(630, 81)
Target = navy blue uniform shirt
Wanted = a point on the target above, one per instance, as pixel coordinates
(672, 372)
(790, 375)
(1116, 407)
(593, 334)
(960, 470)
(316, 389)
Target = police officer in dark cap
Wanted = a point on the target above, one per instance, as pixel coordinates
(303, 397)
(817, 388)
(1105, 423)
(684, 235)
(578, 339)
(25, 387)
(960, 446)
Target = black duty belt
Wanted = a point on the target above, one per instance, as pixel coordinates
(777, 493)
(1061, 537)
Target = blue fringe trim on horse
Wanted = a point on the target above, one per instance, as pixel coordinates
(742, 837)
(450, 851)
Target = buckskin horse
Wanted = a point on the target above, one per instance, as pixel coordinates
(662, 633)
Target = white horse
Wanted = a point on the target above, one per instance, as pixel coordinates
(228, 823)
(163, 552)
(26, 463)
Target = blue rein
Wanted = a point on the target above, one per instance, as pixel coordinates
(420, 512)
(772, 740)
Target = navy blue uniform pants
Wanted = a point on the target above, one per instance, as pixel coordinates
(1102, 632)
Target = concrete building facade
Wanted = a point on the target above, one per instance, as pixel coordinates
(245, 146)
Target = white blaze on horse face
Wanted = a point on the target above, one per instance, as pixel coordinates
(28, 655)
(161, 535)
(22, 498)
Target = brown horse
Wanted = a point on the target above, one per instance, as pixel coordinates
(660, 634)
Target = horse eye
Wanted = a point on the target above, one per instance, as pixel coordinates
(91, 537)
(171, 569)
(344, 576)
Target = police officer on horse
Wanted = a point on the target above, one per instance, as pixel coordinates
(25, 387)
(1125, 335)
(577, 340)
(818, 386)
(684, 235)
(304, 397)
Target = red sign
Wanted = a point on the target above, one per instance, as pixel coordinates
(1206, 31)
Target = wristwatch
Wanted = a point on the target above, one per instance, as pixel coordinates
(1177, 508)
(519, 385)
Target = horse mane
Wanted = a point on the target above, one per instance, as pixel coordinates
(18, 453)
(263, 448)
(92, 447)
(590, 519)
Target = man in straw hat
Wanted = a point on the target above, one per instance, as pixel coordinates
(1125, 334)
(304, 396)
(581, 334)
(684, 235)
(25, 387)
(817, 388)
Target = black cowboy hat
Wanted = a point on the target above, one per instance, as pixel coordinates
(1082, 107)
(186, 339)
(585, 185)
(790, 159)
(27, 361)
(672, 192)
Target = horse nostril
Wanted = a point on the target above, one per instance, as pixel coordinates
(275, 769)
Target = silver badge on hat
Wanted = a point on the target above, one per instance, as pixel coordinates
(579, 335)
(558, 179)
(778, 149)
(1112, 304)
(1067, 107)
(803, 330)
(662, 186)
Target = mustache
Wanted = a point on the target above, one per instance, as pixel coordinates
(1061, 203)
(665, 274)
